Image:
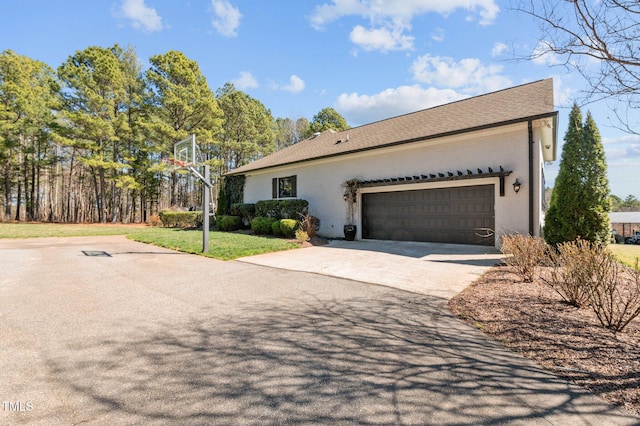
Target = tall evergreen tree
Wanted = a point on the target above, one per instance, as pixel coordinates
(28, 94)
(248, 129)
(94, 114)
(183, 104)
(580, 202)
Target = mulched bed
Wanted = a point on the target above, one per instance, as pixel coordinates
(532, 319)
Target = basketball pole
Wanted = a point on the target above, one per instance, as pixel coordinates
(188, 157)
(206, 188)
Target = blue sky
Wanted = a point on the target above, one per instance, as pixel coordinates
(367, 59)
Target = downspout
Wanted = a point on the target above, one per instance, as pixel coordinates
(531, 186)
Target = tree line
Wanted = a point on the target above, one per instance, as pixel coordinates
(629, 204)
(86, 142)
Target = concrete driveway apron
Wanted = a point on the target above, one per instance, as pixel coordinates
(441, 270)
(103, 331)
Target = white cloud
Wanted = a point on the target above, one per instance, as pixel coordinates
(469, 74)
(625, 139)
(326, 13)
(623, 161)
(499, 49)
(382, 39)
(563, 96)
(389, 20)
(141, 16)
(400, 10)
(296, 84)
(362, 109)
(245, 81)
(226, 18)
(438, 35)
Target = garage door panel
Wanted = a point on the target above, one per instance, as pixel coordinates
(447, 215)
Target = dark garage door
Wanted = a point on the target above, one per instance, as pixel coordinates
(459, 215)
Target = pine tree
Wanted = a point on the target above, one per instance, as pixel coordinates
(580, 202)
(597, 194)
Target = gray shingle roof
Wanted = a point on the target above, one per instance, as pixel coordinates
(624, 217)
(489, 110)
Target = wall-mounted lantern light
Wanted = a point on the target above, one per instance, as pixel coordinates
(516, 186)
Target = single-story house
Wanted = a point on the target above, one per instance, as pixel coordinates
(465, 172)
(625, 223)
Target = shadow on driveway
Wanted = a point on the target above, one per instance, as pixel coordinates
(419, 250)
(358, 360)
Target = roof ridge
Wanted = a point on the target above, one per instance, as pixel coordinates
(454, 102)
(533, 99)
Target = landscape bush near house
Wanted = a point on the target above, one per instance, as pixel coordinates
(265, 217)
(281, 209)
(524, 253)
(275, 227)
(614, 293)
(583, 274)
(285, 228)
(246, 211)
(288, 227)
(309, 224)
(180, 219)
(569, 270)
(302, 236)
(595, 278)
(228, 223)
(230, 193)
(263, 225)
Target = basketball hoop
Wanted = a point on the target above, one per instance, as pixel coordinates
(175, 164)
(187, 159)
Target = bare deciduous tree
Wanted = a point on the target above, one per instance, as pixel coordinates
(601, 40)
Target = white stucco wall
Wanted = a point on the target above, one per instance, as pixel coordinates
(319, 182)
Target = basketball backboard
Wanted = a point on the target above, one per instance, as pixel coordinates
(185, 151)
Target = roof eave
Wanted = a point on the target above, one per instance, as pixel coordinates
(553, 115)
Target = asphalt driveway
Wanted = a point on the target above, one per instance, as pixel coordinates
(109, 331)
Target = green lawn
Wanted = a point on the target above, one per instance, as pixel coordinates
(626, 253)
(37, 230)
(222, 245)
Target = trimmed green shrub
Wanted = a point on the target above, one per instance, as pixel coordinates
(281, 209)
(268, 208)
(179, 219)
(288, 227)
(277, 231)
(228, 223)
(263, 225)
(246, 211)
